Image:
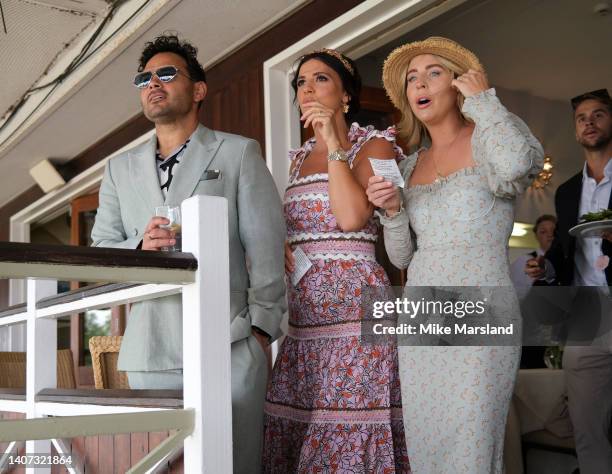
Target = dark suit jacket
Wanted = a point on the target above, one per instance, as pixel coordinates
(561, 253)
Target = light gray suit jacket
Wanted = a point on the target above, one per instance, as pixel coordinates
(130, 191)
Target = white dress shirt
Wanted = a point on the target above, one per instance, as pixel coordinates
(595, 197)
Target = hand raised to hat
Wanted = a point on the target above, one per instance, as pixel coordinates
(471, 83)
(322, 120)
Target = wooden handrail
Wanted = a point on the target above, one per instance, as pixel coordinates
(90, 264)
(19, 252)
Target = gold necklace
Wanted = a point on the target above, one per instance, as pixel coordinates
(440, 176)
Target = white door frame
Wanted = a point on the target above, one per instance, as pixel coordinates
(359, 31)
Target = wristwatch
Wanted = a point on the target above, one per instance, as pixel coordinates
(338, 155)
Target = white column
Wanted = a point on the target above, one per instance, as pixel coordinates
(280, 109)
(16, 333)
(41, 366)
(206, 336)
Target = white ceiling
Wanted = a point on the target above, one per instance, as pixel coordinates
(553, 49)
(101, 97)
(39, 32)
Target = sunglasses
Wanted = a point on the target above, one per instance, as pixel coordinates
(601, 94)
(164, 74)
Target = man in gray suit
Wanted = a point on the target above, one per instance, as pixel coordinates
(183, 159)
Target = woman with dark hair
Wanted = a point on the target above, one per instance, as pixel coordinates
(333, 403)
(450, 227)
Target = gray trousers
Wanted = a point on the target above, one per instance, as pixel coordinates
(249, 378)
(588, 375)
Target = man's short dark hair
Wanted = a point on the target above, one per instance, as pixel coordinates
(171, 44)
(600, 95)
(544, 218)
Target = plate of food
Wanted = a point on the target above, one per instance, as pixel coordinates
(593, 224)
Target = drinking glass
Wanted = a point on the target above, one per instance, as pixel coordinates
(173, 214)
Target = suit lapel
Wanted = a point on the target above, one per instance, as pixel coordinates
(197, 158)
(606, 249)
(572, 203)
(143, 174)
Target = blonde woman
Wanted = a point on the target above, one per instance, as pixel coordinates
(458, 202)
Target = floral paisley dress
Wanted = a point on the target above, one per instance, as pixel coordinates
(333, 403)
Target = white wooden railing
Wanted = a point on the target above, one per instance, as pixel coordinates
(204, 424)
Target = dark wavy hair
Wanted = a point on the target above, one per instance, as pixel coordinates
(169, 43)
(350, 82)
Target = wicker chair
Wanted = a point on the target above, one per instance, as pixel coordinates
(13, 369)
(104, 354)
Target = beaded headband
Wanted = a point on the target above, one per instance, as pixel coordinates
(338, 56)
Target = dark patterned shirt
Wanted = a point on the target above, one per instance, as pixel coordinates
(166, 167)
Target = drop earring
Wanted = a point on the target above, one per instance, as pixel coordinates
(345, 108)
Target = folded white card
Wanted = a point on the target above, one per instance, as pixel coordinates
(388, 169)
(302, 265)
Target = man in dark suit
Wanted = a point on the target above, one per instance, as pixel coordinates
(585, 262)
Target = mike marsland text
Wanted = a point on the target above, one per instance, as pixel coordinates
(436, 329)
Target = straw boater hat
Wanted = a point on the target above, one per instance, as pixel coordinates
(396, 65)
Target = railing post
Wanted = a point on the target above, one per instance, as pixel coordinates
(206, 336)
(41, 355)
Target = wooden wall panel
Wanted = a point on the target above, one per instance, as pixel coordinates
(106, 454)
(122, 451)
(92, 456)
(139, 446)
(80, 453)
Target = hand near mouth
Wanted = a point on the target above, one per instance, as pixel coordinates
(322, 120)
(471, 83)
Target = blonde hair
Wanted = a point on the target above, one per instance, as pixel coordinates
(412, 129)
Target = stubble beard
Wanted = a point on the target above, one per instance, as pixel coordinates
(158, 114)
(600, 144)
